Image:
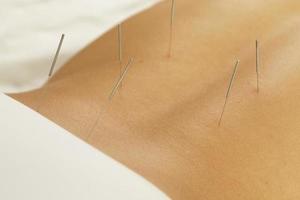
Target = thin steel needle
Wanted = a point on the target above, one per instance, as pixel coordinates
(229, 89)
(56, 55)
(120, 47)
(113, 92)
(257, 65)
(120, 42)
(171, 27)
(110, 97)
(43, 93)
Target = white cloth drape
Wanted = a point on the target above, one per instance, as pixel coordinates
(30, 31)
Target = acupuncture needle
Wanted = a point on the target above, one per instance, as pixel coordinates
(228, 90)
(171, 27)
(120, 47)
(56, 55)
(110, 97)
(115, 88)
(257, 65)
(52, 67)
(120, 43)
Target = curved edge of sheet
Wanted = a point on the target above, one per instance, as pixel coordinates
(40, 160)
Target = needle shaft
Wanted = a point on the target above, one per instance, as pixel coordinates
(171, 27)
(56, 55)
(228, 90)
(44, 91)
(120, 42)
(257, 65)
(113, 92)
(110, 97)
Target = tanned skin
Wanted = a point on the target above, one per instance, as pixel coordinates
(163, 122)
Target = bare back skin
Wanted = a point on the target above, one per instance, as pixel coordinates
(163, 122)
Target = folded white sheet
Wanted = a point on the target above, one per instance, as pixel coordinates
(30, 31)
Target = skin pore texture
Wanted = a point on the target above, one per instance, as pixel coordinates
(163, 122)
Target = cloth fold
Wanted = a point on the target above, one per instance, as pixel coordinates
(31, 30)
